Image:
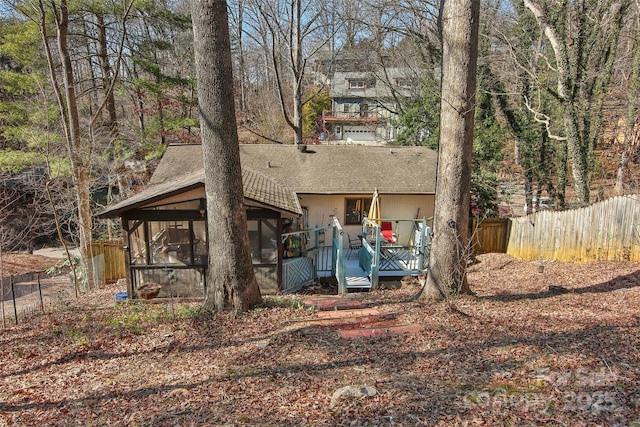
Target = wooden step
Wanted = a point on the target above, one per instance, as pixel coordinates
(379, 331)
(357, 282)
(332, 303)
(351, 319)
(364, 312)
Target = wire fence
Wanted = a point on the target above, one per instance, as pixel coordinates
(26, 295)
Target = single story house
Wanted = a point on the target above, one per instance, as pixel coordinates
(285, 189)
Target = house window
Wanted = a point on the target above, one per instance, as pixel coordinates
(346, 108)
(356, 209)
(356, 84)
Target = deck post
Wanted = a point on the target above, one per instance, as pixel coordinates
(375, 263)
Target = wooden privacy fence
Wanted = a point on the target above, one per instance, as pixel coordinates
(608, 230)
(489, 235)
(113, 253)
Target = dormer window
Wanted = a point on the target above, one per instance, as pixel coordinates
(356, 84)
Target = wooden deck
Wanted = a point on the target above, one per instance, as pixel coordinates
(395, 261)
(398, 261)
(361, 269)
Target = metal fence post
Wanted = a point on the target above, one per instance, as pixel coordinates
(13, 298)
(40, 292)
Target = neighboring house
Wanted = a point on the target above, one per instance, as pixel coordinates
(285, 190)
(365, 105)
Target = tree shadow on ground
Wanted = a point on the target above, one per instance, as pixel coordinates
(619, 284)
(476, 361)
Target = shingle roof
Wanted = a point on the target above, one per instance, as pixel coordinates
(274, 174)
(256, 187)
(154, 193)
(261, 189)
(345, 169)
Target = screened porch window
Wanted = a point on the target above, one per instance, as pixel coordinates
(356, 210)
(263, 235)
(168, 242)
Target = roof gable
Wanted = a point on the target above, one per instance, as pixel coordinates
(378, 84)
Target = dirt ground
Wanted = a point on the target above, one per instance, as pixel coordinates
(554, 346)
(32, 293)
(21, 263)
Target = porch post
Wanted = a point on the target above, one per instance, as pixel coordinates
(280, 252)
(127, 257)
(375, 262)
(341, 276)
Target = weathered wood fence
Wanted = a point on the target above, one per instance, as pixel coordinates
(489, 235)
(608, 230)
(113, 253)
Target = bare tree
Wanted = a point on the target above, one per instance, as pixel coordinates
(290, 25)
(450, 247)
(584, 54)
(231, 282)
(71, 73)
(631, 80)
(24, 211)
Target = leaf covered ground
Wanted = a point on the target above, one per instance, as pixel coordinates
(557, 347)
(21, 263)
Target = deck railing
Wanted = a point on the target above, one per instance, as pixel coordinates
(370, 253)
(358, 116)
(301, 271)
(392, 259)
(296, 273)
(339, 269)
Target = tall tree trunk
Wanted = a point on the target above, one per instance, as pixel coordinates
(450, 247)
(103, 55)
(241, 61)
(231, 282)
(297, 63)
(110, 107)
(67, 102)
(563, 159)
(577, 151)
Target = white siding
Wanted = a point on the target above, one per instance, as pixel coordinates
(392, 206)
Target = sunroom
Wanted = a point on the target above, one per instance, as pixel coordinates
(165, 234)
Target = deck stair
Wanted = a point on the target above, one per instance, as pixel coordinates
(358, 282)
(356, 278)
